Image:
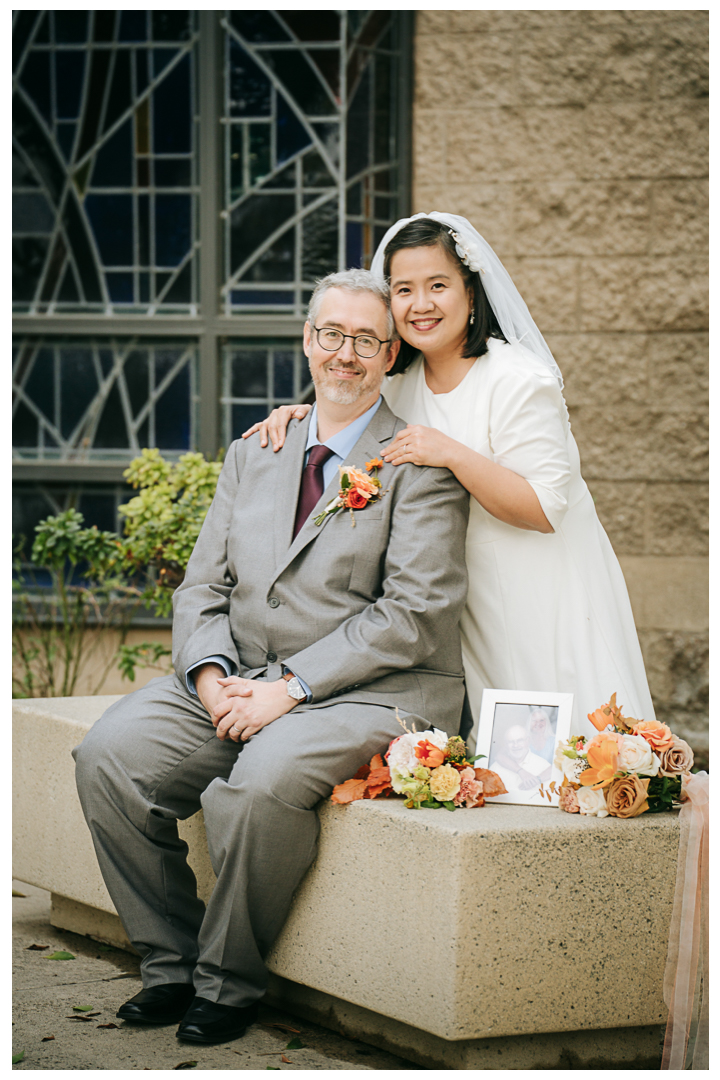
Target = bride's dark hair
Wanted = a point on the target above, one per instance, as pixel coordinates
(430, 233)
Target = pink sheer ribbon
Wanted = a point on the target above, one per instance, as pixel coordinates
(687, 959)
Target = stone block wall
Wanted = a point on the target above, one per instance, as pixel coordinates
(576, 143)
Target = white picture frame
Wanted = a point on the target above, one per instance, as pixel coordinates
(516, 742)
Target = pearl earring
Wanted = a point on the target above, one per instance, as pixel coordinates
(472, 318)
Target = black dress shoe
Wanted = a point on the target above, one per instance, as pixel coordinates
(210, 1022)
(164, 1004)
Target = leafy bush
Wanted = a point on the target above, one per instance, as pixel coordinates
(163, 522)
(55, 629)
(99, 579)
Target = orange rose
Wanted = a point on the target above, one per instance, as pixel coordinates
(627, 796)
(429, 755)
(356, 500)
(602, 755)
(658, 735)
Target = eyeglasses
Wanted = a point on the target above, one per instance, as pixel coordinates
(365, 345)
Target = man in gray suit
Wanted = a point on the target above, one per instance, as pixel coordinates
(293, 644)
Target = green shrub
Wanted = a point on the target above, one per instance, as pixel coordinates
(163, 522)
(54, 628)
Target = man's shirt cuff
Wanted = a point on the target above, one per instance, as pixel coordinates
(227, 665)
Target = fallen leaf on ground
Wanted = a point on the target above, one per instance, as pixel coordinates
(48, 1038)
(285, 1060)
(284, 1027)
(16, 1058)
(22, 895)
(185, 1065)
(60, 955)
(295, 1044)
(36, 948)
(107, 1025)
(492, 783)
(82, 1008)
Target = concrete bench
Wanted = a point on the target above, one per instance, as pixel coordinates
(508, 937)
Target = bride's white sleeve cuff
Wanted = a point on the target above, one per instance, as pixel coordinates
(554, 506)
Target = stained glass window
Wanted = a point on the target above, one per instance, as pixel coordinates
(180, 180)
(91, 399)
(310, 149)
(97, 503)
(104, 162)
(258, 375)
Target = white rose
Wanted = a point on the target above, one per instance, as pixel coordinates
(592, 802)
(636, 756)
(401, 756)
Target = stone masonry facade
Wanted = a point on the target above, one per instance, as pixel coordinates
(576, 143)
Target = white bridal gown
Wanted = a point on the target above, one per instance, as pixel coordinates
(545, 611)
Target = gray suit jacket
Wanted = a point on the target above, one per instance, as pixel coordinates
(367, 613)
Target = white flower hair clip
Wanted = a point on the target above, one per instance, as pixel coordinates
(468, 253)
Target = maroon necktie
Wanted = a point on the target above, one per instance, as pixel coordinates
(312, 485)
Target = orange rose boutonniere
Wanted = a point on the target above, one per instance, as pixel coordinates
(357, 490)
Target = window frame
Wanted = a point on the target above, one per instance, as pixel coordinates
(212, 329)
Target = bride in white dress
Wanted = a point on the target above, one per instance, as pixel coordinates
(547, 607)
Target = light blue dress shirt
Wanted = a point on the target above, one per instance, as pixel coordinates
(341, 445)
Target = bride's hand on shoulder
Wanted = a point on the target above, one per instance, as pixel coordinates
(421, 446)
(275, 425)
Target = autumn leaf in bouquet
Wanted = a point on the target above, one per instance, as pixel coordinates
(369, 782)
(428, 769)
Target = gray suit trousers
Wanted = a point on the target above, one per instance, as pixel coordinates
(154, 758)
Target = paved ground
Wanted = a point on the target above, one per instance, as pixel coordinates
(47, 1030)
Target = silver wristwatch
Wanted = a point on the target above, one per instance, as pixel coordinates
(294, 688)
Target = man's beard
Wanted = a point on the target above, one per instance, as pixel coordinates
(341, 393)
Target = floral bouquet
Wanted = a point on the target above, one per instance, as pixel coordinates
(628, 768)
(357, 490)
(429, 769)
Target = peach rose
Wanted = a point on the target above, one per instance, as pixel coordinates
(627, 797)
(568, 800)
(658, 735)
(471, 790)
(359, 480)
(677, 760)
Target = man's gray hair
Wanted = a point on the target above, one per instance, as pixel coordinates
(353, 281)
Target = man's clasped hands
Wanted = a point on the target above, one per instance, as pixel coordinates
(239, 707)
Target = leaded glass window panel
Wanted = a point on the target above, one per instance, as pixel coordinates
(311, 150)
(97, 503)
(105, 189)
(89, 399)
(259, 374)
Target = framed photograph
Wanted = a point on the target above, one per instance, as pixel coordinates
(518, 731)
